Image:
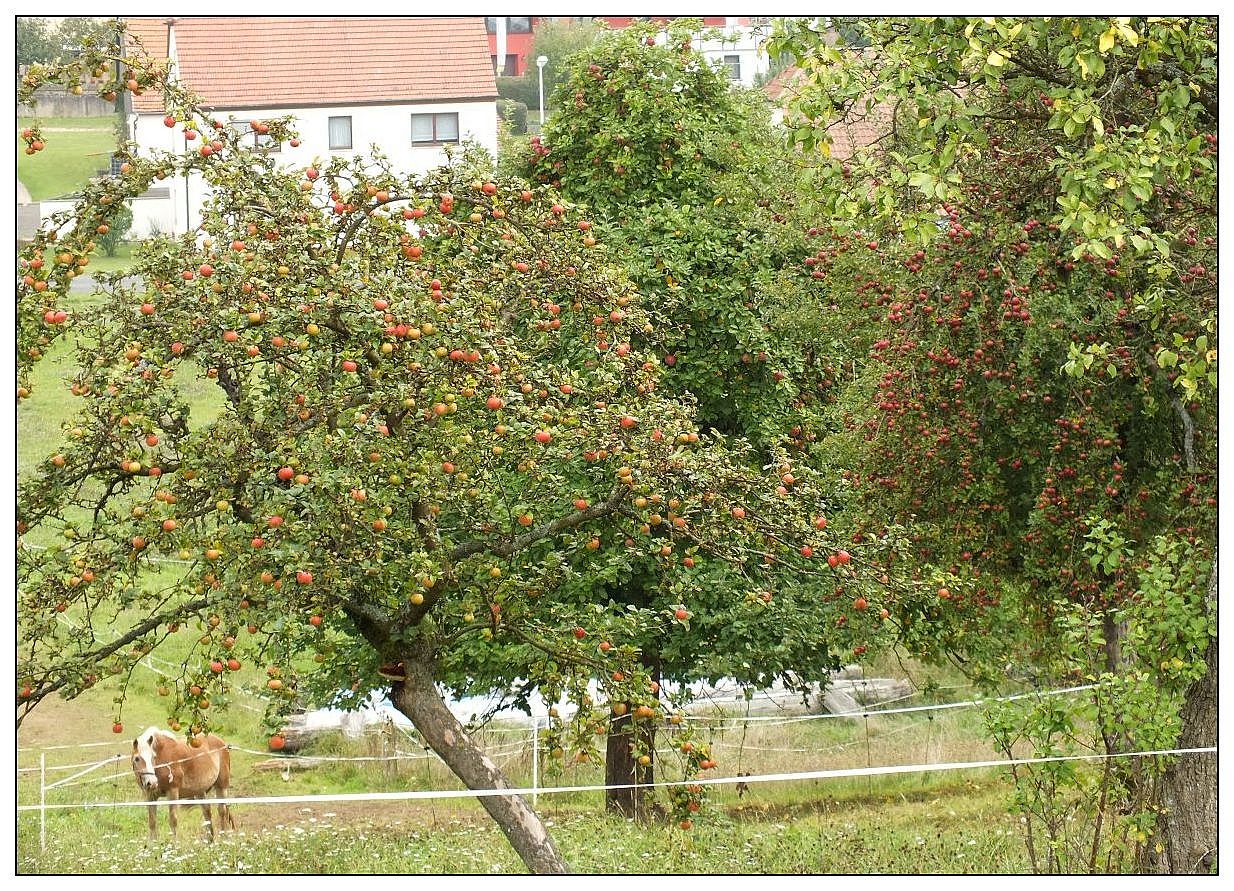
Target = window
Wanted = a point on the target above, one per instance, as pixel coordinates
(510, 69)
(434, 129)
(733, 64)
(515, 24)
(340, 133)
(267, 143)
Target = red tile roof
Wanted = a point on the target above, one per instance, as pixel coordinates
(238, 62)
(857, 129)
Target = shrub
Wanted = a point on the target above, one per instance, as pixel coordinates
(119, 227)
(513, 113)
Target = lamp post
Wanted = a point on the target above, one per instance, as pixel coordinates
(541, 61)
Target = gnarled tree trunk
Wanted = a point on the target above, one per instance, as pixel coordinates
(417, 697)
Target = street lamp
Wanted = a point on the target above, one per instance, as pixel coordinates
(541, 61)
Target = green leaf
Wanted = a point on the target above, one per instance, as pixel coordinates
(995, 59)
(1106, 42)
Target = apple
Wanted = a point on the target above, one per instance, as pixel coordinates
(681, 614)
(315, 621)
(117, 727)
(580, 633)
(285, 473)
(277, 742)
(304, 577)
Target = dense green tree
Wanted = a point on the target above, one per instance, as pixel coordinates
(1034, 247)
(696, 193)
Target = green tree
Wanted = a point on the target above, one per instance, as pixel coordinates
(1034, 249)
(35, 40)
(692, 188)
(558, 40)
(435, 393)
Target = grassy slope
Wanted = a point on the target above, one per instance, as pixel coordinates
(70, 159)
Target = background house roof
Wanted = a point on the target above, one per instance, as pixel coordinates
(855, 130)
(237, 62)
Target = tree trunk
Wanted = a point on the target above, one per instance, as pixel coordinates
(1187, 830)
(621, 768)
(417, 697)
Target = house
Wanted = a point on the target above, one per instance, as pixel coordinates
(510, 37)
(410, 86)
(739, 48)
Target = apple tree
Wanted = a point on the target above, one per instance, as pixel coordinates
(1033, 245)
(437, 418)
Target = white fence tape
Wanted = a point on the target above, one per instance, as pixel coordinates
(415, 794)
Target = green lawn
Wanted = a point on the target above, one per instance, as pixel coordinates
(71, 157)
(100, 262)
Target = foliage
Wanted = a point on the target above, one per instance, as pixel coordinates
(514, 114)
(1033, 250)
(705, 219)
(39, 40)
(524, 89)
(35, 40)
(558, 40)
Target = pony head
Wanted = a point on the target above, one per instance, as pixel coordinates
(145, 763)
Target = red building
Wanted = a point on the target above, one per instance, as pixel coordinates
(520, 30)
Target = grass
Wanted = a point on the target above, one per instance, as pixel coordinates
(928, 823)
(70, 159)
(123, 259)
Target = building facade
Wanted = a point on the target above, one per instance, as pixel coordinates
(409, 87)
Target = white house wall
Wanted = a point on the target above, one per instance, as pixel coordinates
(386, 126)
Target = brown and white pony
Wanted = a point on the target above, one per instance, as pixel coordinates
(165, 765)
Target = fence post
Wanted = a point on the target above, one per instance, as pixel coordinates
(42, 801)
(535, 759)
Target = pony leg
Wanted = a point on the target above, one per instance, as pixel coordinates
(152, 819)
(226, 820)
(172, 795)
(209, 824)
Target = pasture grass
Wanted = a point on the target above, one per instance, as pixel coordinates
(939, 822)
(81, 149)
